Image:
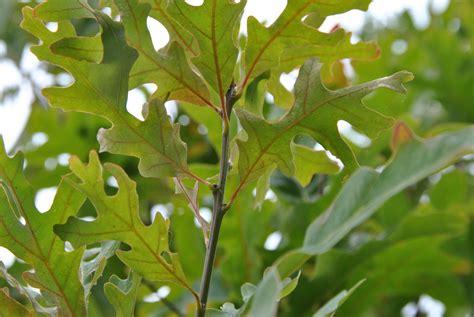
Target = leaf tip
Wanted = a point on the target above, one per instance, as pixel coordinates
(401, 134)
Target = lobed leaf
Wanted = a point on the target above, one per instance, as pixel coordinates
(176, 31)
(11, 307)
(168, 69)
(122, 294)
(213, 25)
(159, 147)
(316, 112)
(294, 37)
(309, 162)
(56, 272)
(58, 10)
(102, 89)
(118, 219)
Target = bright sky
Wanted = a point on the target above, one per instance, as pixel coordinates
(14, 112)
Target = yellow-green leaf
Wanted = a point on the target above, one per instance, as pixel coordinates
(169, 68)
(315, 112)
(102, 88)
(309, 162)
(294, 34)
(213, 25)
(56, 272)
(118, 219)
(122, 294)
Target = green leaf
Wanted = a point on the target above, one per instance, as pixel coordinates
(330, 308)
(118, 219)
(288, 286)
(58, 10)
(294, 35)
(56, 272)
(176, 31)
(122, 294)
(94, 261)
(158, 144)
(309, 162)
(265, 298)
(81, 48)
(168, 69)
(213, 25)
(413, 255)
(191, 195)
(33, 297)
(366, 190)
(102, 89)
(11, 307)
(316, 112)
(293, 58)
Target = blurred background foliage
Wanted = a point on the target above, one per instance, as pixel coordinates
(418, 247)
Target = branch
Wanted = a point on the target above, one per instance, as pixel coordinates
(219, 208)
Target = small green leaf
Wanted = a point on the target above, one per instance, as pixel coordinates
(330, 308)
(265, 298)
(94, 261)
(309, 162)
(288, 286)
(122, 294)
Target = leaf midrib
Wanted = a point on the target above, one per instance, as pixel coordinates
(118, 115)
(270, 41)
(153, 60)
(133, 229)
(165, 16)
